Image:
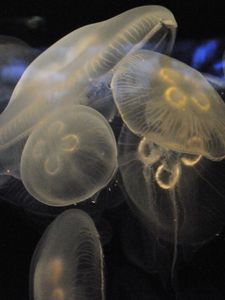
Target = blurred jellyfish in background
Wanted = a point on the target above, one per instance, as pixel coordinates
(15, 56)
(32, 23)
(174, 127)
(68, 260)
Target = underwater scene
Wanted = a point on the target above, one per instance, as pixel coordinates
(112, 150)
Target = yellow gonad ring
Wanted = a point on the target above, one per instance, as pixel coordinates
(174, 177)
(169, 75)
(175, 97)
(70, 142)
(191, 161)
(201, 102)
(52, 165)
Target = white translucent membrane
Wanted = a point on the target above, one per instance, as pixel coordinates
(172, 193)
(171, 104)
(69, 156)
(68, 261)
(78, 69)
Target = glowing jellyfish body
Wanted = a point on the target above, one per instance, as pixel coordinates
(68, 260)
(170, 104)
(70, 156)
(175, 119)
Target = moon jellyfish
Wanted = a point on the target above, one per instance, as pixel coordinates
(175, 129)
(68, 261)
(171, 104)
(69, 156)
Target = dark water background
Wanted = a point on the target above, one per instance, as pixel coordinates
(132, 271)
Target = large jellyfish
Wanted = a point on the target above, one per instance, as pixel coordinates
(174, 129)
(68, 261)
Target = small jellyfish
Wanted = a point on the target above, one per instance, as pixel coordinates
(69, 156)
(171, 104)
(68, 261)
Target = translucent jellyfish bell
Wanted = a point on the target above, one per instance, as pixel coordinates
(170, 104)
(68, 260)
(69, 156)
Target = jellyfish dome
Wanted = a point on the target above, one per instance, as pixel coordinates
(68, 260)
(69, 156)
(170, 104)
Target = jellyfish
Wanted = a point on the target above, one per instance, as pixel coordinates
(174, 130)
(68, 260)
(69, 157)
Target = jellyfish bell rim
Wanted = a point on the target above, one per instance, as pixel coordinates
(180, 148)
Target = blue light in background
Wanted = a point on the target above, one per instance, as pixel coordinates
(204, 53)
(218, 66)
(12, 72)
